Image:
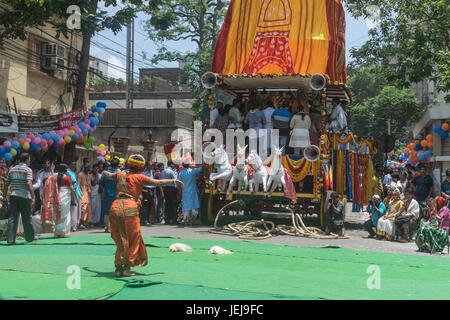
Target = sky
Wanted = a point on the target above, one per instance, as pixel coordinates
(112, 48)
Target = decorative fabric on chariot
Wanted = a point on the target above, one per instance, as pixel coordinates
(297, 169)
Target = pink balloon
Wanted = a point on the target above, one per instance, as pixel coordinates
(93, 129)
(99, 151)
(7, 143)
(28, 140)
(103, 153)
(31, 136)
(87, 121)
(53, 132)
(66, 132)
(50, 141)
(61, 141)
(14, 139)
(43, 143)
(37, 140)
(60, 133)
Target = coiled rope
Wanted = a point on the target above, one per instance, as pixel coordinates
(261, 229)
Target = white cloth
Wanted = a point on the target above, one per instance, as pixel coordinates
(75, 214)
(213, 115)
(235, 118)
(187, 216)
(414, 208)
(300, 132)
(94, 189)
(387, 226)
(62, 226)
(37, 224)
(338, 119)
(96, 205)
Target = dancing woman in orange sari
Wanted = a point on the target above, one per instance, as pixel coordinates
(124, 215)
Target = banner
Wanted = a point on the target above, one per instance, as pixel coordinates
(70, 119)
(8, 122)
(39, 124)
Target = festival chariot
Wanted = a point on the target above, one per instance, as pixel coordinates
(273, 47)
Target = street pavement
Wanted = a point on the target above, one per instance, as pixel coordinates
(353, 223)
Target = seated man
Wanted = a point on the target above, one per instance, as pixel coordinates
(377, 210)
(335, 216)
(408, 217)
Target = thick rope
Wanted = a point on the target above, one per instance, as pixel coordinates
(260, 229)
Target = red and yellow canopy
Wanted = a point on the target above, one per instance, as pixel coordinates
(282, 37)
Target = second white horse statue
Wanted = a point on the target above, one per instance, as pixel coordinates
(240, 172)
(276, 172)
(259, 173)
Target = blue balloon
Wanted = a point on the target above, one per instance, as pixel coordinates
(428, 154)
(15, 144)
(81, 125)
(99, 120)
(8, 156)
(84, 131)
(33, 146)
(39, 135)
(420, 155)
(7, 149)
(101, 104)
(22, 136)
(101, 110)
(75, 136)
(437, 129)
(92, 115)
(92, 124)
(55, 144)
(444, 134)
(56, 137)
(417, 147)
(2, 151)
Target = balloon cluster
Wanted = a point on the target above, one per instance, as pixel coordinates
(442, 130)
(418, 151)
(109, 157)
(101, 150)
(42, 141)
(394, 164)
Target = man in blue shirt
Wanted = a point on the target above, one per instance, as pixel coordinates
(377, 210)
(109, 193)
(281, 119)
(424, 185)
(170, 193)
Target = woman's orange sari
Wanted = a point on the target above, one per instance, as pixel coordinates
(125, 223)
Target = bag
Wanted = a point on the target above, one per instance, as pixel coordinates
(402, 219)
(338, 220)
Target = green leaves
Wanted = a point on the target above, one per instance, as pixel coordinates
(414, 33)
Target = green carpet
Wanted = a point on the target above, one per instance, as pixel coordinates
(255, 271)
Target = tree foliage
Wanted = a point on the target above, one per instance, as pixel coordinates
(198, 21)
(377, 101)
(412, 36)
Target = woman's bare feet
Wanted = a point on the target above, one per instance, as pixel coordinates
(118, 272)
(127, 273)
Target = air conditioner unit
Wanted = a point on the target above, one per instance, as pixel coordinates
(53, 63)
(54, 49)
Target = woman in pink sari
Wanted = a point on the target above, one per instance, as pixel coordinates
(56, 201)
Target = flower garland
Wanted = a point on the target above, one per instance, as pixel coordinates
(297, 169)
(337, 139)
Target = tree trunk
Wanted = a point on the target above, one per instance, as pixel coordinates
(78, 101)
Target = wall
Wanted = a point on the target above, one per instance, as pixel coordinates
(32, 90)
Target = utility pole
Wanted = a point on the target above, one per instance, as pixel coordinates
(389, 133)
(130, 65)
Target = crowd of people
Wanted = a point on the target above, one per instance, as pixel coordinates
(293, 114)
(59, 199)
(403, 207)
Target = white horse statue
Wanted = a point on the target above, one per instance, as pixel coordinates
(276, 171)
(224, 170)
(259, 173)
(240, 172)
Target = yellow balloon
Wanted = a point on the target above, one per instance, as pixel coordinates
(13, 152)
(122, 160)
(67, 139)
(107, 157)
(26, 146)
(71, 132)
(102, 147)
